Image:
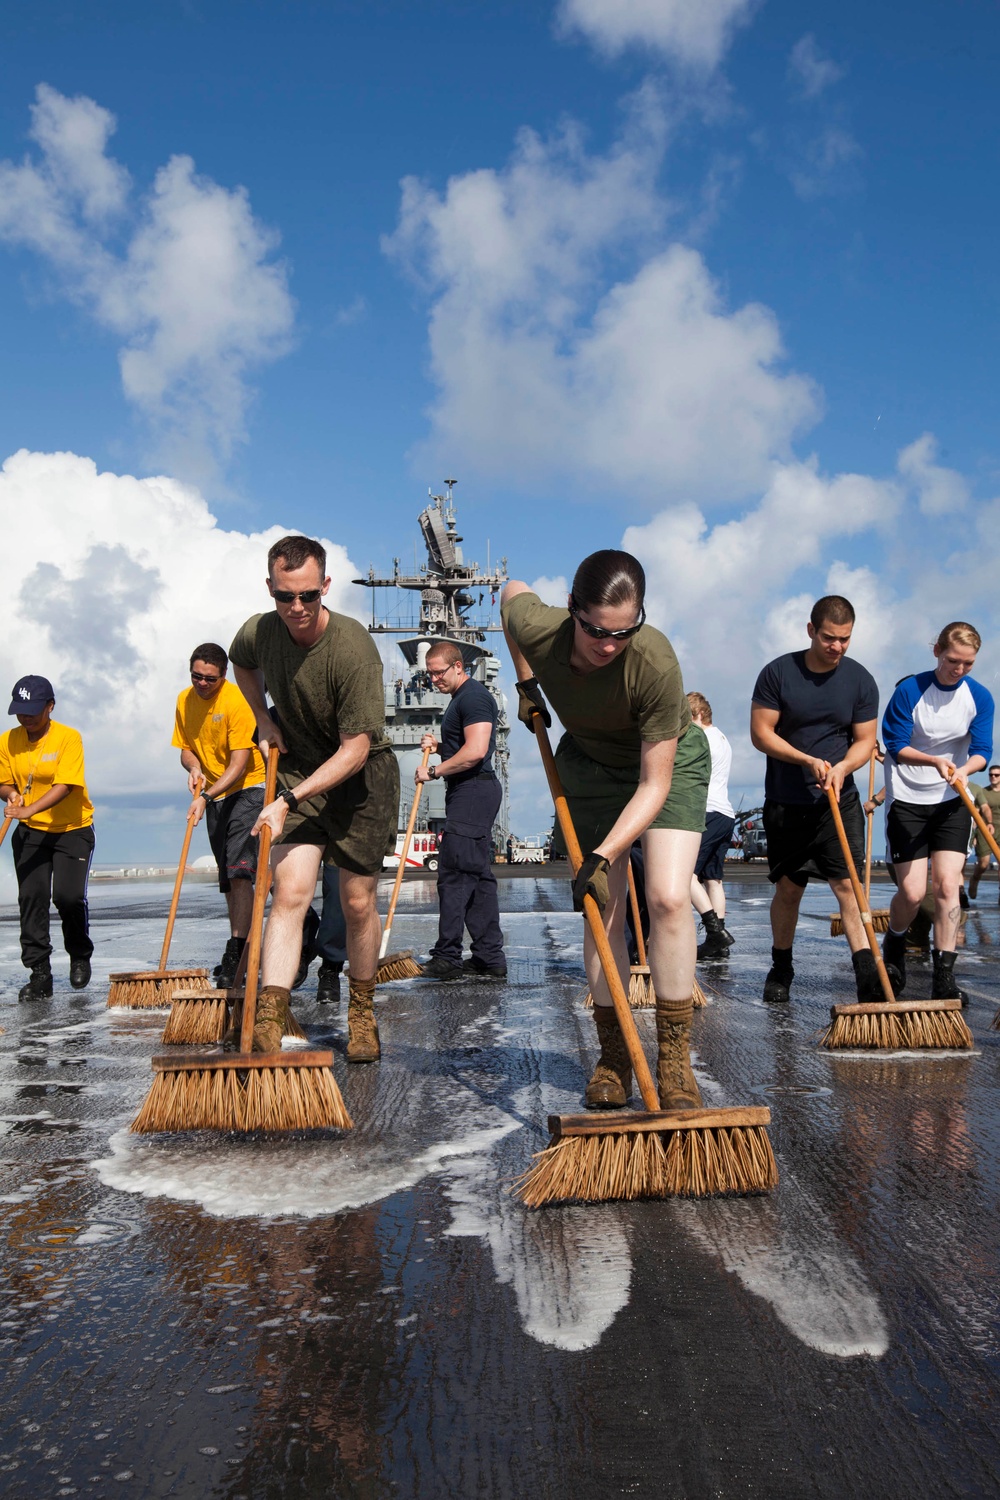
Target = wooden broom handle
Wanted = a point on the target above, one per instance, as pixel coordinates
(401, 868)
(864, 911)
(977, 817)
(592, 913)
(260, 891)
(633, 896)
(870, 817)
(178, 882)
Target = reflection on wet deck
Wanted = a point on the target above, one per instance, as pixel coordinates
(372, 1314)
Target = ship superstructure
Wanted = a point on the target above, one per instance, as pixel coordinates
(452, 595)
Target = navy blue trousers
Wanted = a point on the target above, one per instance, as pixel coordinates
(467, 886)
(331, 940)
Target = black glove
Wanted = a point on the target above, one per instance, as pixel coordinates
(591, 880)
(530, 703)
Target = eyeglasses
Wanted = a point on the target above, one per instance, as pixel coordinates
(599, 633)
(441, 671)
(307, 596)
(200, 677)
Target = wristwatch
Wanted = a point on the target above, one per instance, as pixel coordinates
(289, 796)
(433, 773)
(207, 795)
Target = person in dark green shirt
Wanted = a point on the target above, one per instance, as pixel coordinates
(632, 766)
(339, 779)
(988, 801)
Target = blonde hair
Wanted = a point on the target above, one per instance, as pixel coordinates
(700, 707)
(958, 633)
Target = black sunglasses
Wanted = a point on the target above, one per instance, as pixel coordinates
(307, 596)
(200, 677)
(599, 633)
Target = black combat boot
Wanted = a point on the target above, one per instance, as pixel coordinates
(866, 977)
(39, 986)
(943, 986)
(328, 983)
(894, 958)
(226, 972)
(779, 977)
(715, 944)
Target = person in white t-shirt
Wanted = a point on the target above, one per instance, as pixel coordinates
(708, 895)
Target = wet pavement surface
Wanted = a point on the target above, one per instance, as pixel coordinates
(372, 1314)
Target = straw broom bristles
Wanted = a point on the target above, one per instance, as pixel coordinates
(153, 988)
(880, 922)
(400, 965)
(198, 1016)
(699, 1160)
(642, 996)
(919, 1026)
(269, 1098)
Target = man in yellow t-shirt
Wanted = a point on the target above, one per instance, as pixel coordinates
(214, 731)
(43, 787)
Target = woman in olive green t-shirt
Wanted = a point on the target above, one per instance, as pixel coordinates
(632, 766)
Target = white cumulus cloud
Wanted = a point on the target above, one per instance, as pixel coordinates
(542, 348)
(810, 69)
(939, 491)
(136, 573)
(184, 275)
(693, 33)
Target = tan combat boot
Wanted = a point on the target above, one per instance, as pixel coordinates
(269, 1021)
(611, 1081)
(675, 1082)
(362, 1027)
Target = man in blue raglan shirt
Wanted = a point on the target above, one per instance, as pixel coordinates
(467, 886)
(814, 715)
(938, 731)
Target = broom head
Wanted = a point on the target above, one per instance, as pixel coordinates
(642, 996)
(880, 922)
(691, 1153)
(397, 966)
(149, 988)
(920, 1025)
(197, 1016)
(265, 1092)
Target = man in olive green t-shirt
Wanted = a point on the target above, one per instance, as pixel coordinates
(988, 802)
(339, 779)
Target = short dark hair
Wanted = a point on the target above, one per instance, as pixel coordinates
(447, 651)
(211, 654)
(609, 577)
(295, 552)
(833, 608)
(994, 768)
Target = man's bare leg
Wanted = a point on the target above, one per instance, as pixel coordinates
(717, 895)
(853, 926)
(785, 905)
(981, 868)
(295, 868)
(239, 899)
(364, 929)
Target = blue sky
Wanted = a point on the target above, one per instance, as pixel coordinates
(716, 278)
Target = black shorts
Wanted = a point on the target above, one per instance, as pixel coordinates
(715, 841)
(229, 822)
(914, 830)
(802, 842)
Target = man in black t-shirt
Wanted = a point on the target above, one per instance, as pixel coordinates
(814, 715)
(467, 886)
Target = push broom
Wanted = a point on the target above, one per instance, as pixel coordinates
(656, 1154)
(148, 988)
(198, 1016)
(400, 965)
(984, 829)
(880, 918)
(894, 1024)
(641, 994)
(245, 1091)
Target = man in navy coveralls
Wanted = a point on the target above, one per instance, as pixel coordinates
(467, 886)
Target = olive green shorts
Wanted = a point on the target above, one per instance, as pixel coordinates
(355, 823)
(597, 794)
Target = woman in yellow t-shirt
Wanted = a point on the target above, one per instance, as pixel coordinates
(43, 787)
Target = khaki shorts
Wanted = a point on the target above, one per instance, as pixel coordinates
(355, 823)
(597, 794)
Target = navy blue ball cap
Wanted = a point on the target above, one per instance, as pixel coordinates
(30, 695)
